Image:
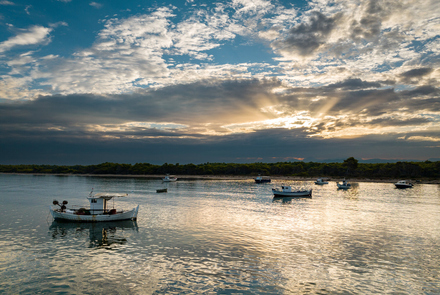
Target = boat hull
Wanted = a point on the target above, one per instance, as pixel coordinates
(342, 186)
(403, 185)
(295, 194)
(128, 215)
(262, 180)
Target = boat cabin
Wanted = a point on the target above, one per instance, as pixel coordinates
(99, 203)
(286, 188)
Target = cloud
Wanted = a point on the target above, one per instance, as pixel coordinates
(221, 108)
(306, 38)
(32, 36)
(414, 75)
(96, 5)
(213, 116)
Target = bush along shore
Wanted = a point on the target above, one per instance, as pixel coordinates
(350, 168)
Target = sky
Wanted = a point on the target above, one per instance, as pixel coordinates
(240, 81)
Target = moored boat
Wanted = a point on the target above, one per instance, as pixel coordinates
(167, 178)
(287, 191)
(343, 185)
(262, 179)
(98, 211)
(403, 184)
(321, 181)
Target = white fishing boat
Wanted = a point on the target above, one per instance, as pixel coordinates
(403, 184)
(99, 210)
(287, 191)
(343, 185)
(262, 179)
(321, 181)
(168, 178)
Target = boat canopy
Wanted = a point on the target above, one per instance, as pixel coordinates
(107, 196)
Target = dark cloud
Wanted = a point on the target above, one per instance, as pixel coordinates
(369, 26)
(305, 38)
(198, 102)
(261, 146)
(412, 76)
(422, 90)
(354, 84)
(61, 129)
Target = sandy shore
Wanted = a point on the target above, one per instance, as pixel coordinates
(235, 177)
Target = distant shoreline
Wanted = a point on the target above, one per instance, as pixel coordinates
(235, 177)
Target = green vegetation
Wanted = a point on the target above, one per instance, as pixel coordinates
(349, 168)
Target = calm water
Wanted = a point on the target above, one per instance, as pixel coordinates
(220, 237)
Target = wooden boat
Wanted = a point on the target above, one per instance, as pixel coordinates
(98, 211)
(403, 184)
(343, 185)
(262, 179)
(320, 181)
(167, 178)
(162, 190)
(287, 191)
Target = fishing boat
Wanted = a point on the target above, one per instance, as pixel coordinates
(403, 184)
(262, 179)
(320, 181)
(167, 178)
(287, 191)
(343, 185)
(99, 210)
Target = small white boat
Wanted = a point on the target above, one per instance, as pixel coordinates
(321, 181)
(167, 178)
(98, 211)
(403, 184)
(343, 185)
(287, 191)
(262, 179)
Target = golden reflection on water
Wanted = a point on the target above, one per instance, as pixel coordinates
(230, 237)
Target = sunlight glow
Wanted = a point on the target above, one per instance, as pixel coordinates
(300, 120)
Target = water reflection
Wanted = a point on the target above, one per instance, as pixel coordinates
(288, 200)
(100, 235)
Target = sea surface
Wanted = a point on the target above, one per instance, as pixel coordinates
(220, 237)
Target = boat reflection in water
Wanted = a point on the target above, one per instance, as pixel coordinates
(286, 200)
(100, 235)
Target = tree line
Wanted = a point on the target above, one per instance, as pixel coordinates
(349, 168)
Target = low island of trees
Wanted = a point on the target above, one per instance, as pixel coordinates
(348, 168)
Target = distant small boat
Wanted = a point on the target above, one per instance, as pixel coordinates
(320, 181)
(262, 179)
(162, 190)
(287, 191)
(167, 178)
(343, 185)
(97, 212)
(403, 184)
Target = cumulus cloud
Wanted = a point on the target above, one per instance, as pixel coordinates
(306, 38)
